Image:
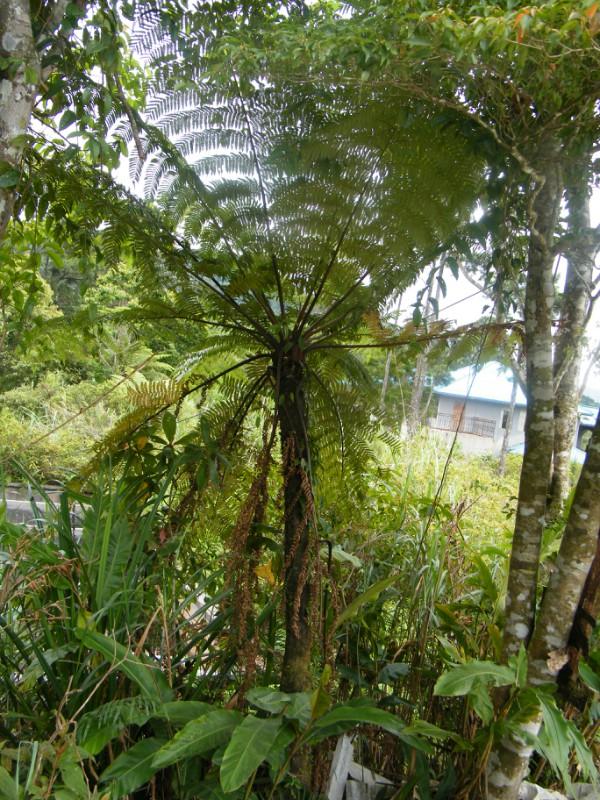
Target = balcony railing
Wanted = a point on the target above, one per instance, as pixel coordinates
(478, 426)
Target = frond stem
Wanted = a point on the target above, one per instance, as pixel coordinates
(263, 197)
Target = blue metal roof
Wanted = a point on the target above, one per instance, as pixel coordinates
(493, 383)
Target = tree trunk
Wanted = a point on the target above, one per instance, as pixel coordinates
(298, 527)
(569, 347)
(386, 380)
(539, 427)
(416, 398)
(508, 429)
(582, 629)
(18, 88)
(547, 651)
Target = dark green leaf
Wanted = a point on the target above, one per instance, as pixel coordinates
(269, 700)
(179, 712)
(9, 178)
(589, 677)
(461, 678)
(198, 737)
(249, 747)
(148, 677)
(68, 118)
(132, 769)
(169, 424)
(371, 594)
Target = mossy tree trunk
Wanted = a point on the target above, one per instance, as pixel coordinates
(547, 651)
(298, 525)
(581, 631)
(508, 760)
(18, 89)
(573, 318)
(539, 421)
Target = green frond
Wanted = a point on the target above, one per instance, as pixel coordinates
(155, 394)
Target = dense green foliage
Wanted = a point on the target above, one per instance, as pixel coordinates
(248, 555)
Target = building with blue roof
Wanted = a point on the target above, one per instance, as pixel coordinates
(474, 406)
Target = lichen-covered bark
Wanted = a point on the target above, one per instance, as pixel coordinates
(581, 631)
(539, 426)
(18, 86)
(547, 650)
(575, 558)
(569, 346)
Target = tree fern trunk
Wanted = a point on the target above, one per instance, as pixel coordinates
(298, 527)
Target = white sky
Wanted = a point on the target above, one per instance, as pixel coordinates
(463, 307)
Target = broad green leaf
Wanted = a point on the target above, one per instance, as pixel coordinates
(347, 716)
(132, 769)
(198, 737)
(339, 554)
(452, 263)
(320, 701)
(585, 757)
(554, 741)
(210, 789)
(372, 593)
(169, 424)
(299, 708)
(148, 677)
(391, 672)
(277, 753)
(481, 702)
(589, 677)
(461, 678)
(268, 699)
(179, 712)
(520, 664)
(68, 118)
(72, 773)
(8, 788)
(9, 178)
(421, 727)
(249, 747)
(39, 664)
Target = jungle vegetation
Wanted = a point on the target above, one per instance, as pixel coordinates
(210, 214)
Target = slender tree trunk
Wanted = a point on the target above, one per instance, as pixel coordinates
(539, 427)
(416, 396)
(569, 347)
(418, 389)
(18, 88)
(505, 766)
(298, 527)
(547, 650)
(386, 380)
(583, 627)
(508, 429)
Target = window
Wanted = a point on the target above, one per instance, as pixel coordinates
(504, 420)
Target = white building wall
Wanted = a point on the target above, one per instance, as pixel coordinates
(482, 410)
